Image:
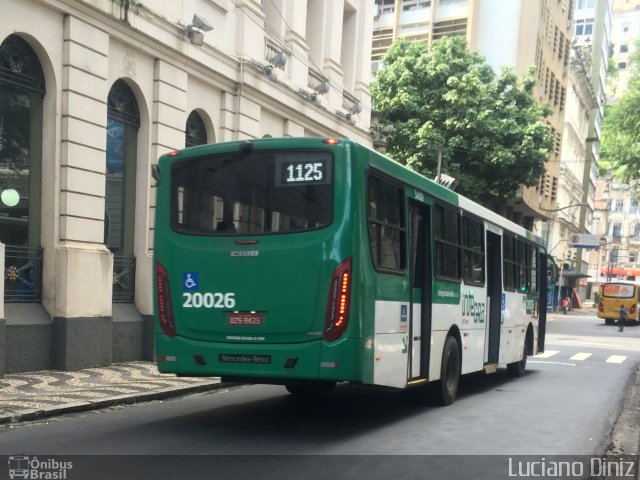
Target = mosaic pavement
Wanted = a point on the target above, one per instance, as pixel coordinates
(33, 391)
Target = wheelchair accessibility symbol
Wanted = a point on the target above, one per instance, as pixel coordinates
(191, 281)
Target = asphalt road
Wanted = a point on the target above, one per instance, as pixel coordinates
(566, 404)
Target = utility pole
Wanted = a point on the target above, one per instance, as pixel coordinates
(546, 242)
(439, 170)
(586, 181)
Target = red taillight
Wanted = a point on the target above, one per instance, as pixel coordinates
(173, 154)
(331, 141)
(337, 316)
(632, 310)
(165, 308)
(601, 307)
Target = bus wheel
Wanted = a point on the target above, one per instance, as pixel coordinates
(449, 372)
(310, 389)
(516, 369)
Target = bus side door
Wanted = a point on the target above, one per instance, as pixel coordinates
(420, 290)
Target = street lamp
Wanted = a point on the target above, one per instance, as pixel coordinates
(555, 210)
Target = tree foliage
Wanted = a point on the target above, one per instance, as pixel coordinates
(491, 131)
(620, 146)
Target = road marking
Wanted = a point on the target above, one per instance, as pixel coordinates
(581, 356)
(554, 363)
(616, 359)
(547, 354)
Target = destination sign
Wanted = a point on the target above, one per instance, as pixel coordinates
(301, 173)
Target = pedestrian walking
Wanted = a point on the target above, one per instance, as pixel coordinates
(565, 305)
(622, 318)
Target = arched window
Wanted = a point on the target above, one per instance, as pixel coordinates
(636, 230)
(123, 122)
(22, 89)
(196, 133)
(122, 129)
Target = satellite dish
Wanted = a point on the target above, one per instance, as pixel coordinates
(279, 59)
(322, 88)
(356, 108)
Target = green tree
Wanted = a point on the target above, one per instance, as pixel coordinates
(620, 145)
(488, 127)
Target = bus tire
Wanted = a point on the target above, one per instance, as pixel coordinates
(310, 389)
(447, 387)
(516, 369)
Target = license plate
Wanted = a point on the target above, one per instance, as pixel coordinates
(244, 319)
(243, 358)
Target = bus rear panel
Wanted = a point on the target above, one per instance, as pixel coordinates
(254, 265)
(619, 294)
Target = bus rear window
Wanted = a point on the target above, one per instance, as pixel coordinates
(252, 193)
(618, 290)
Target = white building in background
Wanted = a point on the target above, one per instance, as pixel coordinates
(92, 92)
(618, 222)
(509, 33)
(625, 32)
(580, 152)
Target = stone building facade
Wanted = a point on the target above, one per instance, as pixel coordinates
(92, 92)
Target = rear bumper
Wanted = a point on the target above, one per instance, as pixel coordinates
(615, 316)
(314, 360)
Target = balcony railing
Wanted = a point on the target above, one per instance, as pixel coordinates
(22, 275)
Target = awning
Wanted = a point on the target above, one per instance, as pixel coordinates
(627, 272)
(569, 273)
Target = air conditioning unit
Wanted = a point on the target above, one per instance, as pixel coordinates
(446, 181)
(376, 65)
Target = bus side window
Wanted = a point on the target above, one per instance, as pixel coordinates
(522, 261)
(473, 251)
(508, 255)
(446, 228)
(386, 225)
(533, 270)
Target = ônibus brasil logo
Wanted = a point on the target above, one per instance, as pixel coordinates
(36, 469)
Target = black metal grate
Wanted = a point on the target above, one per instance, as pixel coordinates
(124, 279)
(22, 275)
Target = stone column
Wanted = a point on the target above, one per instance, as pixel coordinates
(332, 39)
(249, 27)
(82, 328)
(296, 41)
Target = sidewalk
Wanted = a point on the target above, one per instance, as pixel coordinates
(585, 310)
(34, 395)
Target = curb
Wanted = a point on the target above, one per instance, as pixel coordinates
(127, 399)
(625, 435)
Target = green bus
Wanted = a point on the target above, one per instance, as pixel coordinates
(310, 261)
